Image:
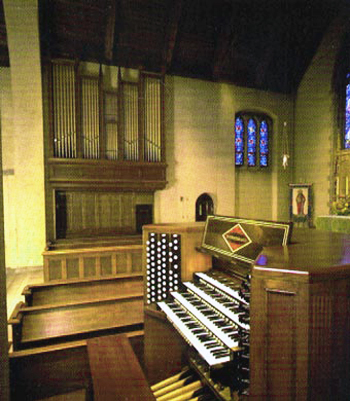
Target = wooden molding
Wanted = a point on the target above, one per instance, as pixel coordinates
(106, 174)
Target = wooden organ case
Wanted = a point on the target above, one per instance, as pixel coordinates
(274, 308)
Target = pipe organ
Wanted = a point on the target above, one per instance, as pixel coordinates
(105, 128)
(268, 319)
(91, 119)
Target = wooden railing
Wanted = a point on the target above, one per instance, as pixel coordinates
(65, 264)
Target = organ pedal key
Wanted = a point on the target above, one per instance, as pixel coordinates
(184, 386)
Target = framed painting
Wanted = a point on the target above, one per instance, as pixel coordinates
(301, 204)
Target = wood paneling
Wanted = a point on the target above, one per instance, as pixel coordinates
(300, 320)
(106, 174)
(165, 350)
(281, 355)
(92, 262)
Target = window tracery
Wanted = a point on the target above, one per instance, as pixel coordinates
(252, 137)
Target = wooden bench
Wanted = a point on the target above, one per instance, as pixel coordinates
(95, 241)
(69, 371)
(78, 395)
(116, 372)
(38, 326)
(50, 371)
(77, 291)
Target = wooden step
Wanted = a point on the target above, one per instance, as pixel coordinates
(33, 327)
(76, 291)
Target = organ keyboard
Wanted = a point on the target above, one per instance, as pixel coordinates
(267, 320)
(214, 322)
(196, 334)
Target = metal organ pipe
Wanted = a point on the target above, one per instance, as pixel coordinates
(131, 121)
(65, 123)
(64, 111)
(90, 118)
(151, 119)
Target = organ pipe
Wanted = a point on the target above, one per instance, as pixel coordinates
(152, 123)
(90, 117)
(64, 111)
(130, 135)
(130, 94)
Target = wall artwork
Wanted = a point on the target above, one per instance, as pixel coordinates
(301, 204)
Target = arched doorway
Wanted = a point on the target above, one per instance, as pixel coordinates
(204, 207)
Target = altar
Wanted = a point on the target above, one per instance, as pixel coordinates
(335, 223)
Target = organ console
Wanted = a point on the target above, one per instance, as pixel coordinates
(267, 320)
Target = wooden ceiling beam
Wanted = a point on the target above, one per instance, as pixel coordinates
(110, 29)
(225, 42)
(173, 24)
(274, 43)
(228, 35)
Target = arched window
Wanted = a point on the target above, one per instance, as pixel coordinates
(251, 147)
(264, 143)
(252, 135)
(239, 141)
(347, 114)
(341, 91)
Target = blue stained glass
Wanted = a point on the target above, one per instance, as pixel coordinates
(347, 119)
(239, 141)
(264, 143)
(263, 161)
(251, 142)
(239, 159)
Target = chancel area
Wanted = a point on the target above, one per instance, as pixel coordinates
(175, 207)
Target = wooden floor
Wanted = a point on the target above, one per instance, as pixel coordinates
(16, 280)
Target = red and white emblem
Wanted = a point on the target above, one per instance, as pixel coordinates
(236, 238)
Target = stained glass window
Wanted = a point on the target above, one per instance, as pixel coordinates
(264, 143)
(347, 116)
(251, 147)
(239, 141)
(252, 132)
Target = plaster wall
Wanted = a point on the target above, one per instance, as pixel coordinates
(314, 122)
(200, 152)
(22, 133)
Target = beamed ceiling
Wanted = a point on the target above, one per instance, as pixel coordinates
(265, 44)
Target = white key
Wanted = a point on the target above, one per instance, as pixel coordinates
(217, 305)
(207, 354)
(222, 287)
(229, 342)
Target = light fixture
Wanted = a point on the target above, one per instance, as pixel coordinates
(285, 146)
